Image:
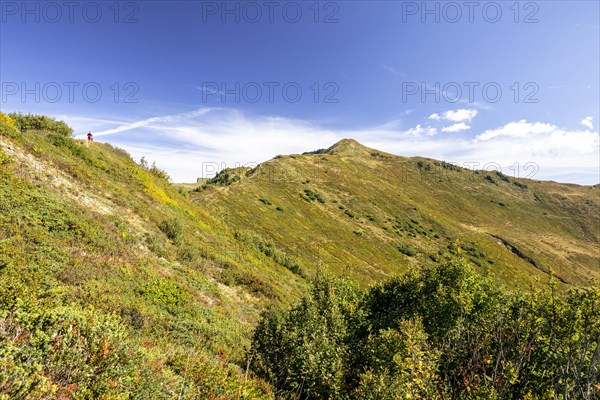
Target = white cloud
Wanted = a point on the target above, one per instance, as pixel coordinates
(534, 150)
(518, 129)
(542, 139)
(587, 122)
(203, 141)
(460, 115)
(461, 126)
(421, 131)
(189, 145)
(394, 70)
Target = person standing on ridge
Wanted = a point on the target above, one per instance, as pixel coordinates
(90, 136)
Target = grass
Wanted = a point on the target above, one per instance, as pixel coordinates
(85, 227)
(427, 205)
(181, 273)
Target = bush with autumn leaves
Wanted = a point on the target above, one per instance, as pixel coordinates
(68, 352)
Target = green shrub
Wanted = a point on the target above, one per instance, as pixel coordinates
(400, 364)
(159, 173)
(189, 254)
(520, 185)
(502, 176)
(305, 351)
(310, 195)
(229, 176)
(154, 244)
(66, 143)
(183, 192)
(407, 250)
(166, 292)
(28, 122)
(450, 166)
(439, 331)
(70, 353)
(269, 249)
(231, 277)
(172, 229)
(490, 179)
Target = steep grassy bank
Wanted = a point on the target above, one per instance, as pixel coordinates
(99, 251)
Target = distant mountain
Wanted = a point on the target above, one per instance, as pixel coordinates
(374, 214)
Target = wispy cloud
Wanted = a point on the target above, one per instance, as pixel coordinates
(204, 141)
(154, 121)
(81, 124)
(394, 71)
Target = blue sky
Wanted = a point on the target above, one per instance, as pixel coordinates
(201, 85)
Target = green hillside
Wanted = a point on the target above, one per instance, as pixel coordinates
(375, 214)
(88, 237)
(116, 283)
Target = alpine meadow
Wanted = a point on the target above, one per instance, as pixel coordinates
(299, 200)
(341, 284)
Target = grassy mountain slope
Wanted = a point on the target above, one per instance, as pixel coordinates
(374, 214)
(86, 234)
(114, 281)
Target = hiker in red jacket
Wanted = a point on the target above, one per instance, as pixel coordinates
(90, 136)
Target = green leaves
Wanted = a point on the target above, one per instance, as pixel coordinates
(435, 332)
(172, 228)
(306, 350)
(68, 352)
(163, 291)
(27, 122)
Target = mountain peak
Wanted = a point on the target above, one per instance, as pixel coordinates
(347, 147)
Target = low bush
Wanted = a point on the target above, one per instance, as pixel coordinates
(70, 353)
(166, 292)
(229, 176)
(310, 195)
(520, 185)
(172, 229)
(438, 331)
(407, 250)
(31, 122)
(9, 128)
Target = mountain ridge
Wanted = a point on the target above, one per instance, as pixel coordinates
(432, 182)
